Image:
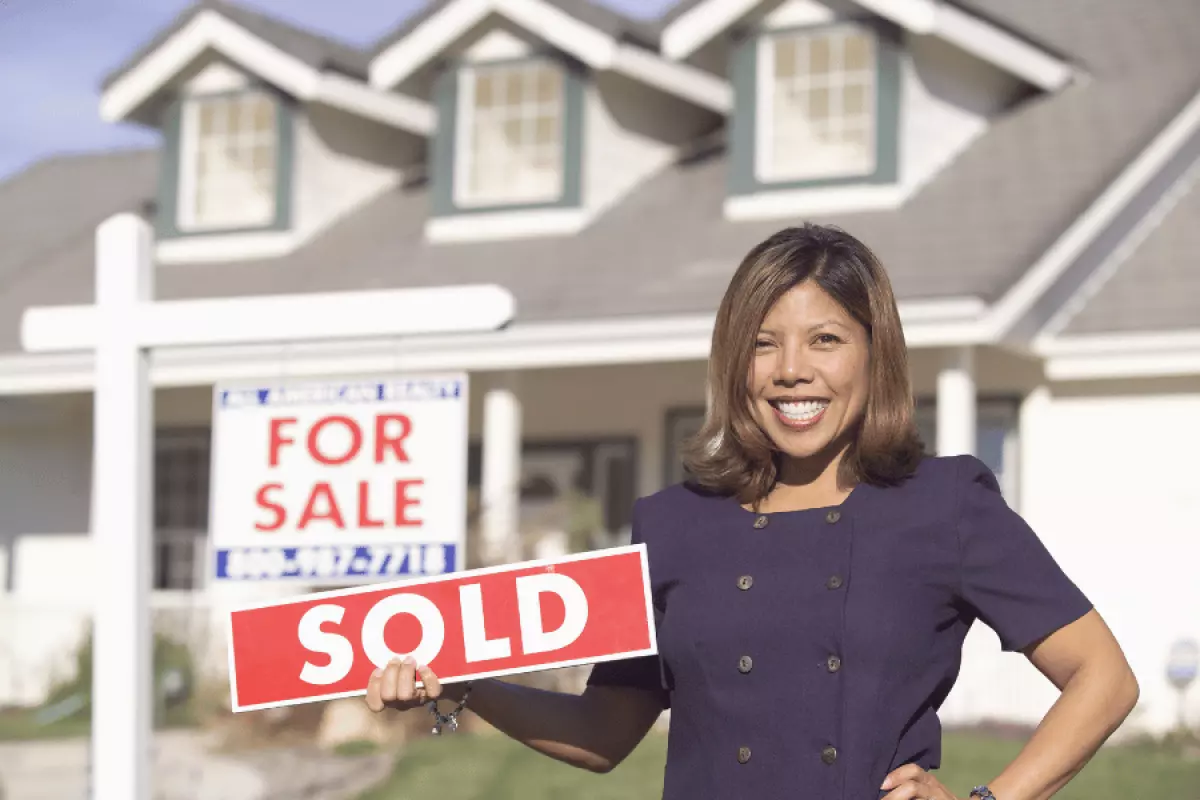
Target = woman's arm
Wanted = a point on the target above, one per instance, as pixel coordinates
(595, 731)
(1098, 690)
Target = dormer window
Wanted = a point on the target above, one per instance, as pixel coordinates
(816, 105)
(816, 119)
(229, 162)
(509, 141)
(510, 134)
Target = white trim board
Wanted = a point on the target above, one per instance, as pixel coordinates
(707, 20)
(600, 342)
(1147, 354)
(209, 30)
(551, 24)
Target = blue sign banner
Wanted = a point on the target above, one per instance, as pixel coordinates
(335, 562)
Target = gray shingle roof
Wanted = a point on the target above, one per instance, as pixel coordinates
(667, 248)
(48, 219)
(1158, 287)
(319, 52)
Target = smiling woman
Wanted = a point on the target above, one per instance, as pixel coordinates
(810, 318)
(815, 580)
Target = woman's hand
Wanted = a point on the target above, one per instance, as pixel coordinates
(910, 782)
(394, 686)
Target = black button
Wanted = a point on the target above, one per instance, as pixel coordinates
(745, 664)
(829, 754)
(760, 522)
(834, 582)
(833, 663)
(833, 516)
(743, 755)
(745, 582)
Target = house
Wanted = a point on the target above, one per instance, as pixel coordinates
(1027, 170)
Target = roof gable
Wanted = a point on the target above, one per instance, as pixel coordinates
(597, 37)
(694, 23)
(306, 66)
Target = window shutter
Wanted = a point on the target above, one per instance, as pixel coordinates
(168, 172)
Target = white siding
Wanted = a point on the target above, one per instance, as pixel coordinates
(629, 132)
(946, 100)
(342, 161)
(215, 77)
(796, 13)
(1110, 482)
(45, 474)
(497, 44)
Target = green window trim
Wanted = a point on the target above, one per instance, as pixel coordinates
(446, 156)
(171, 166)
(743, 178)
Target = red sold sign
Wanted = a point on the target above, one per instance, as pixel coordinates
(535, 615)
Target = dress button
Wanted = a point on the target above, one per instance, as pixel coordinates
(833, 663)
(745, 664)
(743, 755)
(834, 582)
(829, 754)
(833, 516)
(745, 582)
(761, 521)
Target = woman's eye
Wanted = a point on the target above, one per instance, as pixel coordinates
(761, 343)
(827, 338)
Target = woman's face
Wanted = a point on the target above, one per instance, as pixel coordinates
(809, 377)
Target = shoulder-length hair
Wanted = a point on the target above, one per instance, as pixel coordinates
(731, 454)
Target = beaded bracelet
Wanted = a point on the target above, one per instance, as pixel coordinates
(451, 719)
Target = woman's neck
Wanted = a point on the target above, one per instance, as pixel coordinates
(807, 483)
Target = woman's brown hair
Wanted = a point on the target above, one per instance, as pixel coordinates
(731, 454)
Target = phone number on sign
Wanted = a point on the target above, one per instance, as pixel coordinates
(334, 561)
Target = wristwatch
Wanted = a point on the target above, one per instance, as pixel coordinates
(982, 793)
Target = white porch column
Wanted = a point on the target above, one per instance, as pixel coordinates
(121, 504)
(501, 474)
(956, 424)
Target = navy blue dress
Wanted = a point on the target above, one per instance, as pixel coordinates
(806, 653)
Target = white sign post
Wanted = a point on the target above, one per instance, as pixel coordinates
(122, 328)
(339, 481)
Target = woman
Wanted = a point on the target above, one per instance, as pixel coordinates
(814, 582)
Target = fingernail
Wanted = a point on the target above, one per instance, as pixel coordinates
(887, 784)
(410, 661)
(378, 672)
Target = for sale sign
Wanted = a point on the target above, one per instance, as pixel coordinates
(534, 615)
(340, 481)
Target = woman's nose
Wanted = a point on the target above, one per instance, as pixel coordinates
(792, 367)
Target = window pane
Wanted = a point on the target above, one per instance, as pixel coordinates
(819, 56)
(821, 120)
(858, 53)
(785, 58)
(264, 116)
(516, 134)
(854, 99)
(233, 172)
(485, 91)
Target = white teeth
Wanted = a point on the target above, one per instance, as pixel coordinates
(804, 410)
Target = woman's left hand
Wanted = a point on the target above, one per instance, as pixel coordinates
(910, 782)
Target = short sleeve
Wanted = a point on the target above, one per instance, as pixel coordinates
(1008, 576)
(643, 672)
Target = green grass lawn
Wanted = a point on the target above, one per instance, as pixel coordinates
(473, 767)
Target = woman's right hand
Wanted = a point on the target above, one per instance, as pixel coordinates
(394, 686)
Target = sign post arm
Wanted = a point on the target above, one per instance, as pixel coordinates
(121, 515)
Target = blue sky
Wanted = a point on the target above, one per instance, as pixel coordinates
(53, 54)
